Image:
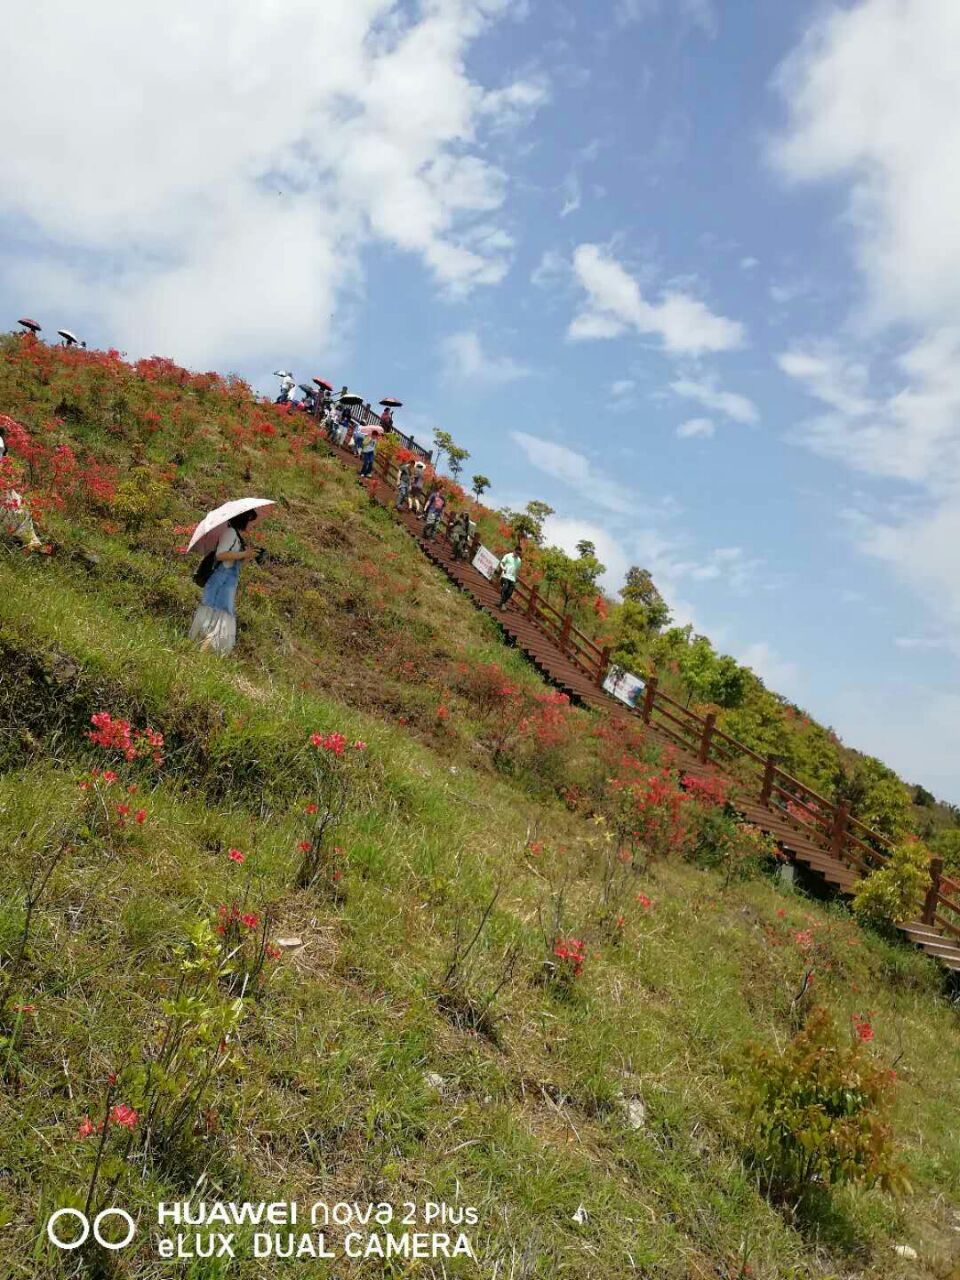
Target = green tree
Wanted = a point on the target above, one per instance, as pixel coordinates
(457, 457)
(575, 580)
(478, 486)
(443, 442)
(586, 548)
(875, 795)
(538, 512)
(650, 611)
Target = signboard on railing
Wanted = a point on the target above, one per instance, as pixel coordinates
(485, 562)
(624, 685)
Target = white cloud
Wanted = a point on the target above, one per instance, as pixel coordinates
(696, 428)
(622, 387)
(873, 100)
(873, 97)
(615, 305)
(515, 104)
(466, 360)
(577, 471)
(776, 672)
(701, 14)
(706, 393)
(551, 268)
(572, 195)
(185, 187)
(749, 263)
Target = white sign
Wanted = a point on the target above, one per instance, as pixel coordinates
(486, 562)
(624, 685)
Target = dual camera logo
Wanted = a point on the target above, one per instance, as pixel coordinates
(80, 1234)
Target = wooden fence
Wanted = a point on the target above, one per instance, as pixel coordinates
(827, 823)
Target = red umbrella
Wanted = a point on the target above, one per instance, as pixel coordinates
(30, 324)
(322, 382)
(391, 402)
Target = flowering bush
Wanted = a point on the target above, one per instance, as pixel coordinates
(739, 850)
(114, 734)
(818, 1111)
(321, 863)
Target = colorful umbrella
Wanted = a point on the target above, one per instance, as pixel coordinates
(30, 324)
(322, 382)
(207, 533)
(371, 429)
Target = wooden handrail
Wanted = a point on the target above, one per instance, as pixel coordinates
(702, 734)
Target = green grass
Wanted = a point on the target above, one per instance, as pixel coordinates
(347, 1080)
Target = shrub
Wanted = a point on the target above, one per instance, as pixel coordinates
(895, 891)
(739, 850)
(818, 1113)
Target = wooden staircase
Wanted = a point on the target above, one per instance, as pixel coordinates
(812, 831)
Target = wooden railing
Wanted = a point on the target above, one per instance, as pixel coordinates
(825, 822)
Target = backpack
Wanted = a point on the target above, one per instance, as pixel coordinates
(205, 568)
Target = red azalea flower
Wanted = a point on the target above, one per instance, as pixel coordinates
(250, 920)
(124, 1116)
(862, 1028)
(359, 745)
(140, 817)
(304, 846)
(108, 776)
(236, 856)
(316, 739)
(87, 1128)
(644, 901)
(311, 808)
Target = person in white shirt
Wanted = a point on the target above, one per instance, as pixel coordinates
(509, 570)
(286, 387)
(215, 621)
(15, 516)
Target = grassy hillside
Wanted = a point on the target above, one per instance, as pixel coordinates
(590, 1109)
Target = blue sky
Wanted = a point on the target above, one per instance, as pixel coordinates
(689, 270)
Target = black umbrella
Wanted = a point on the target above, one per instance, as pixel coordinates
(391, 402)
(30, 324)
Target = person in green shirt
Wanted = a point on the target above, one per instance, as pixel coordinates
(509, 570)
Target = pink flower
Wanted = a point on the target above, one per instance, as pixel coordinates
(236, 856)
(86, 1129)
(359, 745)
(862, 1028)
(124, 1116)
(644, 901)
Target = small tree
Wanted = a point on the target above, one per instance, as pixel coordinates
(818, 1113)
(457, 457)
(442, 443)
(895, 891)
(537, 512)
(478, 486)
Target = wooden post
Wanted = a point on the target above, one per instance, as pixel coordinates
(933, 893)
(603, 665)
(565, 632)
(532, 601)
(649, 698)
(839, 832)
(709, 725)
(766, 791)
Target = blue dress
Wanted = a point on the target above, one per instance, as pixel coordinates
(215, 621)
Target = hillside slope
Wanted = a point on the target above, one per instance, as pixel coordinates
(587, 1110)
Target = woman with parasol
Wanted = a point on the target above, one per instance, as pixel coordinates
(220, 535)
